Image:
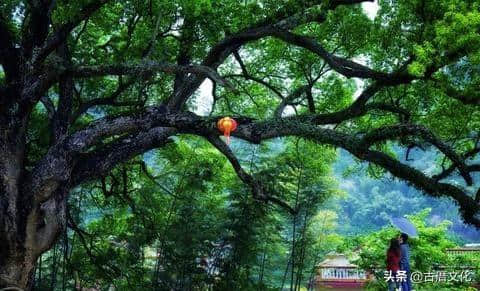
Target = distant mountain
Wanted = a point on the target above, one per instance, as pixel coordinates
(370, 201)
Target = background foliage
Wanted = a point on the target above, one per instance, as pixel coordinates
(178, 218)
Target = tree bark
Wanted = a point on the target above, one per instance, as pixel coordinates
(27, 228)
(16, 259)
(36, 232)
(18, 272)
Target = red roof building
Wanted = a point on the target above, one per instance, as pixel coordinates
(337, 272)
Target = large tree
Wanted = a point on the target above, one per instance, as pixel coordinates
(87, 85)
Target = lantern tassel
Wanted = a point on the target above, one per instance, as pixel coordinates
(227, 136)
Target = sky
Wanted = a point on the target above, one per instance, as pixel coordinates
(371, 9)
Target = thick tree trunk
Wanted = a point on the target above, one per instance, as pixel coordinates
(18, 272)
(16, 261)
(35, 232)
(27, 227)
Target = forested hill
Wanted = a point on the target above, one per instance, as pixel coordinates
(370, 200)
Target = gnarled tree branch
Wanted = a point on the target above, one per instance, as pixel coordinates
(61, 34)
(258, 189)
(145, 67)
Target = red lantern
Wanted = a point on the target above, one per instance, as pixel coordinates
(227, 125)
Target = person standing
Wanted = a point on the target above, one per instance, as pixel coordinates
(393, 264)
(405, 261)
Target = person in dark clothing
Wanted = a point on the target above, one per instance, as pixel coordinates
(393, 263)
(405, 261)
